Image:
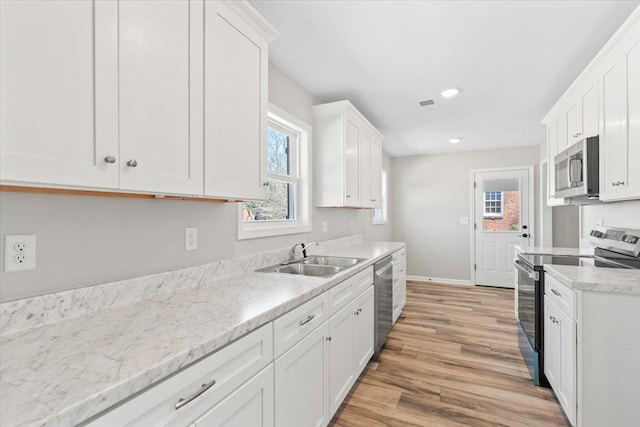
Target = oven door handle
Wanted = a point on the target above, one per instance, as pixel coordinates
(532, 274)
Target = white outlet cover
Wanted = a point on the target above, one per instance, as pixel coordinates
(325, 226)
(19, 252)
(190, 238)
(464, 220)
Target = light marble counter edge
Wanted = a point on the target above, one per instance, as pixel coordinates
(99, 402)
(596, 279)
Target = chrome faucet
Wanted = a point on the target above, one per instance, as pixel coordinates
(292, 252)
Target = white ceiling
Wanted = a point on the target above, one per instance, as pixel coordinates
(512, 59)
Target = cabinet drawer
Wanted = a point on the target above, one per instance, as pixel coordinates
(399, 255)
(229, 367)
(299, 322)
(343, 293)
(561, 295)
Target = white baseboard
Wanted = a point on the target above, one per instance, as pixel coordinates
(440, 280)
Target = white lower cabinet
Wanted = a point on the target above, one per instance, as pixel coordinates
(302, 382)
(363, 326)
(351, 345)
(560, 356)
(342, 355)
(399, 287)
(250, 405)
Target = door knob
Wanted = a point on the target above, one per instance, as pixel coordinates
(525, 235)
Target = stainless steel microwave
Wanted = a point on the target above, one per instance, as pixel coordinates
(576, 170)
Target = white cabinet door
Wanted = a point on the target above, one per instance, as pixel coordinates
(59, 86)
(589, 109)
(352, 162)
(302, 382)
(574, 122)
(341, 360)
(250, 405)
(375, 175)
(364, 329)
(364, 176)
(235, 105)
(560, 362)
(160, 71)
(555, 132)
(619, 88)
(551, 344)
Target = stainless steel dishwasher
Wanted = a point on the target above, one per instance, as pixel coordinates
(383, 282)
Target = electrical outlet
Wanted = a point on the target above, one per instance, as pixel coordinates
(351, 224)
(325, 226)
(190, 238)
(19, 252)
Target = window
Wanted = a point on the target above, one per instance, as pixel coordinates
(379, 215)
(287, 208)
(493, 204)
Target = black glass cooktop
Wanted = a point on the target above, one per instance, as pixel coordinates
(537, 261)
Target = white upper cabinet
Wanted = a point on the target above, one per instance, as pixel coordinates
(619, 78)
(604, 101)
(59, 85)
(235, 103)
(348, 157)
(161, 72)
(130, 95)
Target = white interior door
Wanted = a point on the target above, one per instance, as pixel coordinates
(502, 221)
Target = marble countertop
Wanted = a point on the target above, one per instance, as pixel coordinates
(547, 250)
(598, 279)
(62, 373)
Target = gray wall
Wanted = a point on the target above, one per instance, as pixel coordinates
(431, 193)
(566, 226)
(89, 240)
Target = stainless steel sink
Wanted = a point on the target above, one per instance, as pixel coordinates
(319, 266)
(332, 261)
(308, 269)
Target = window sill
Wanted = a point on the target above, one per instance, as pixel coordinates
(254, 231)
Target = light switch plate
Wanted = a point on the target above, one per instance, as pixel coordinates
(19, 252)
(464, 220)
(190, 238)
(325, 226)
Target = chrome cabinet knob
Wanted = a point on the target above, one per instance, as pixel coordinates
(265, 184)
(110, 159)
(132, 163)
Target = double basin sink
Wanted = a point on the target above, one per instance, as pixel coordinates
(318, 266)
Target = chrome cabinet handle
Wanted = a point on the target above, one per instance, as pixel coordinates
(359, 310)
(265, 184)
(553, 319)
(615, 184)
(307, 320)
(348, 196)
(355, 313)
(110, 159)
(185, 400)
(556, 292)
(132, 163)
(373, 200)
(328, 338)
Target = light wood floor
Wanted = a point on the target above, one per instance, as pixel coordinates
(452, 359)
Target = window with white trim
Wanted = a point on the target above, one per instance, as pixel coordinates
(287, 207)
(379, 215)
(493, 204)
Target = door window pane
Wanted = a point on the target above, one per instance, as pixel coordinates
(501, 203)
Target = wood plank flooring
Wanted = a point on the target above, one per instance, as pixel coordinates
(452, 359)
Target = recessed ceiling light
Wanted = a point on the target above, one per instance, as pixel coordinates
(455, 140)
(450, 93)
